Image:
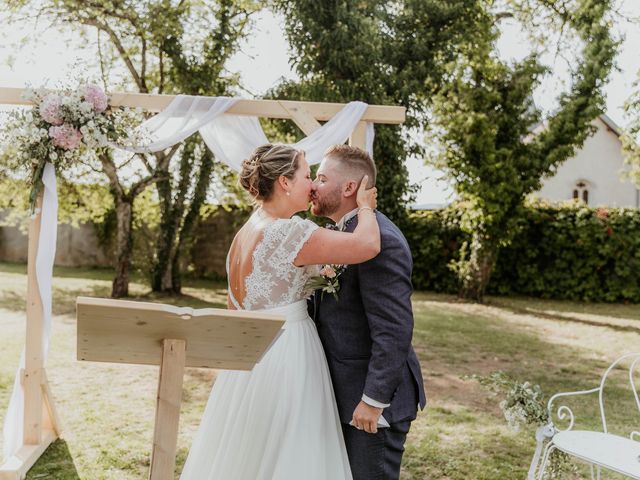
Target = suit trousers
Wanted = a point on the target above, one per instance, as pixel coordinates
(376, 456)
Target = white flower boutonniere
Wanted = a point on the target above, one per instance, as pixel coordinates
(328, 280)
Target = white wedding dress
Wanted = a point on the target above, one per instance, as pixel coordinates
(278, 421)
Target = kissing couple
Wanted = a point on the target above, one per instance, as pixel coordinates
(335, 395)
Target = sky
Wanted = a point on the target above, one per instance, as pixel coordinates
(263, 61)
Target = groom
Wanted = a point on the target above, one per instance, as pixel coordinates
(367, 332)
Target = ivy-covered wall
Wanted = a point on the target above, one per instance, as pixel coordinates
(564, 252)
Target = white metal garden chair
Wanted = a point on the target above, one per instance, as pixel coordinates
(599, 449)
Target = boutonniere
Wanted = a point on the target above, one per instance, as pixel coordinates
(328, 280)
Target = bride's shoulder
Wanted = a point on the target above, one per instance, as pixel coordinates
(290, 227)
(302, 223)
(292, 222)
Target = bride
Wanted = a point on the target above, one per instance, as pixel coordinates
(279, 421)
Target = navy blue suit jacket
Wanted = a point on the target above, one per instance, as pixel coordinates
(367, 332)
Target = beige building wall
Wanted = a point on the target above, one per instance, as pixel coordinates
(598, 165)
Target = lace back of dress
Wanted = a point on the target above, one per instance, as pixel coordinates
(275, 281)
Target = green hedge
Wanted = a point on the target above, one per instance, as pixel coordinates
(565, 252)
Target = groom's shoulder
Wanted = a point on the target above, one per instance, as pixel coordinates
(389, 230)
(386, 225)
(393, 241)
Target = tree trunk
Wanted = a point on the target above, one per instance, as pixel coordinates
(176, 227)
(192, 218)
(477, 271)
(160, 276)
(124, 248)
(170, 218)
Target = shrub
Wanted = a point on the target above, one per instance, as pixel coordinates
(567, 251)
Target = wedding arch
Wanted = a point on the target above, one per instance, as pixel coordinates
(230, 128)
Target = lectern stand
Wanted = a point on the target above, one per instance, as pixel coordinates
(122, 331)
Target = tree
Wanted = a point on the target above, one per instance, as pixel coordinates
(379, 52)
(485, 118)
(77, 203)
(631, 136)
(165, 47)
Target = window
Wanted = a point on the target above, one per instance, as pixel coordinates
(581, 191)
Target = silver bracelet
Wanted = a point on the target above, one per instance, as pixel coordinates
(364, 208)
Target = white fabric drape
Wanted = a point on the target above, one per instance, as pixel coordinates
(183, 117)
(13, 425)
(231, 138)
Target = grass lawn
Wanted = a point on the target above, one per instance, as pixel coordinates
(107, 410)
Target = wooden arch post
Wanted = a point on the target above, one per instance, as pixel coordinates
(41, 425)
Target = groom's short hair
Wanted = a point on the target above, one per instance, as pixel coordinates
(355, 160)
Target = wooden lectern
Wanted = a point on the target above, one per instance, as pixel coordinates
(122, 331)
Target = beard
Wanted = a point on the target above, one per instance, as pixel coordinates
(328, 204)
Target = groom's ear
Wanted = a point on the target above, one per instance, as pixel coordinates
(350, 188)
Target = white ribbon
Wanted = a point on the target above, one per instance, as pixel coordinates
(546, 432)
(13, 426)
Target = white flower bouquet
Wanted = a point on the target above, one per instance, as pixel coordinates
(63, 127)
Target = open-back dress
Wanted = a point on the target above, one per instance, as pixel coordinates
(278, 421)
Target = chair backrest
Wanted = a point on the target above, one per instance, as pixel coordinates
(634, 358)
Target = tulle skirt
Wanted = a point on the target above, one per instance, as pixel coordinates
(276, 422)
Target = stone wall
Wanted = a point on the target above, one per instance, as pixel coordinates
(75, 246)
(213, 239)
(80, 247)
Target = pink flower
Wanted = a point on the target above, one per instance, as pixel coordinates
(96, 97)
(328, 271)
(50, 109)
(65, 136)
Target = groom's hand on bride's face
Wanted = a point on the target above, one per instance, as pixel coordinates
(365, 417)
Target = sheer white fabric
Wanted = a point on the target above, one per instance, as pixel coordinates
(232, 138)
(184, 116)
(278, 421)
(13, 426)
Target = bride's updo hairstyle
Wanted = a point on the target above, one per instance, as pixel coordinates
(265, 165)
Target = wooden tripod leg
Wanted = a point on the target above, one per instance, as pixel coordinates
(51, 420)
(165, 435)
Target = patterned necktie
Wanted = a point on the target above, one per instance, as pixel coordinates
(331, 226)
(346, 224)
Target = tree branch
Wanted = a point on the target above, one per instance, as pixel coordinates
(161, 86)
(143, 183)
(165, 158)
(110, 170)
(121, 50)
(143, 69)
(145, 161)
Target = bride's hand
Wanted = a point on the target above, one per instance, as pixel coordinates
(366, 197)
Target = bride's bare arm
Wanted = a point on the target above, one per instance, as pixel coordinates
(230, 305)
(329, 246)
